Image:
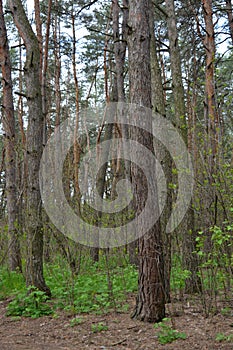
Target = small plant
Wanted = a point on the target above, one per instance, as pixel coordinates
(76, 321)
(123, 308)
(99, 327)
(166, 333)
(15, 318)
(31, 304)
(223, 337)
(226, 311)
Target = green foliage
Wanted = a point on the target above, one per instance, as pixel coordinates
(31, 304)
(98, 288)
(166, 334)
(214, 250)
(223, 337)
(99, 327)
(226, 311)
(76, 321)
(10, 283)
(90, 291)
(216, 261)
(178, 275)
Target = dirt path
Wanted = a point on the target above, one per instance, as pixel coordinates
(48, 333)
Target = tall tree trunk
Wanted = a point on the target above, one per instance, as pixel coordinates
(21, 166)
(212, 125)
(120, 45)
(177, 84)
(34, 227)
(230, 17)
(150, 304)
(44, 92)
(44, 71)
(187, 226)
(77, 147)
(211, 110)
(158, 103)
(10, 152)
(100, 183)
(39, 33)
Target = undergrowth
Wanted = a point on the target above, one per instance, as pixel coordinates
(33, 304)
(93, 290)
(97, 288)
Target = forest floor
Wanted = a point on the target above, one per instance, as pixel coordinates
(120, 333)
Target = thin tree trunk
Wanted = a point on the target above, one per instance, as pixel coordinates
(44, 92)
(10, 152)
(211, 123)
(230, 17)
(100, 184)
(187, 225)
(211, 110)
(120, 45)
(177, 84)
(44, 71)
(34, 227)
(57, 55)
(77, 147)
(21, 165)
(39, 33)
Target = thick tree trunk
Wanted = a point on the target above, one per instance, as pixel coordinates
(34, 227)
(158, 103)
(150, 305)
(8, 123)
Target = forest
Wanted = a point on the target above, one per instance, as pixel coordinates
(116, 169)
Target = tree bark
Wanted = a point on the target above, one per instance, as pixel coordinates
(8, 123)
(211, 110)
(77, 147)
(34, 227)
(187, 226)
(177, 84)
(150, 304)
(158, 103)
(120, 45)
(230, 17)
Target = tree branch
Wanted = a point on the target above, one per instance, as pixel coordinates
(86, 6)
